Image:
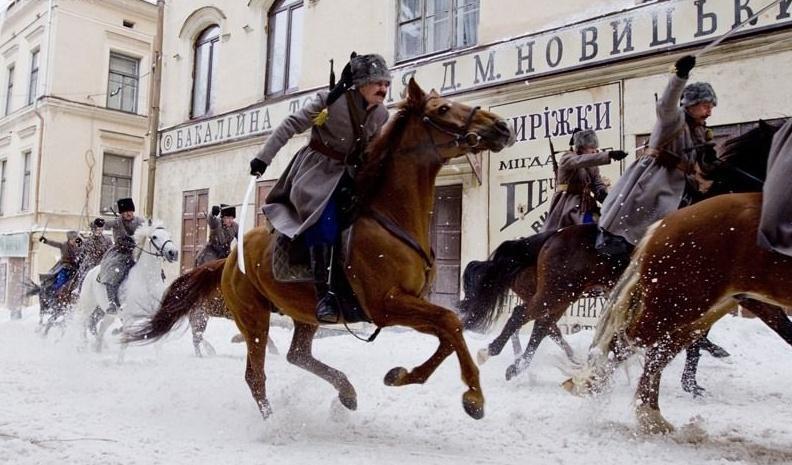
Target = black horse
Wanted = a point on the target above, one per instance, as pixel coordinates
(551, 270)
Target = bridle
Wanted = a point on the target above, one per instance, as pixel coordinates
(465, 135)
(160, 251)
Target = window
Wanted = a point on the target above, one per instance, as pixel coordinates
(428, 26)
(285, 47)
(3, 167)
(116, 181)
(9, 89)
(205, 71)
(26, 181)
(122, 83)
(34, 70)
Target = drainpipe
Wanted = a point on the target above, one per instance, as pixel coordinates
(154, 109)
(40, 154)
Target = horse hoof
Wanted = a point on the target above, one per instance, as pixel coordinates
(482, 356)
(651, 421)
(511, 372)
(238, 339)
(473, 402)
(395, 376)
(265, 409)
(350, 402)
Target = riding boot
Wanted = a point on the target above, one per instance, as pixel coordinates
(612, 245)
(321, 263)
(112, 296)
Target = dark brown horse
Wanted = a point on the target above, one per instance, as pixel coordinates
(688, 271)
(551, 270)
(389, 266)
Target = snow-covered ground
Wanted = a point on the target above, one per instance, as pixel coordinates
(61, 405)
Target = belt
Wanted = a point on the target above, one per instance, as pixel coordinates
(569, 189)
(681, 164)
(320, 147)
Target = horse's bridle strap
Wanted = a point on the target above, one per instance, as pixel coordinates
(398, 232)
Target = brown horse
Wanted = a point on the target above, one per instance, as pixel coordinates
(688, 271)
(389, 266)
(551, 270)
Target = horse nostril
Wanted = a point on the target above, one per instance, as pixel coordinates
(502, 127)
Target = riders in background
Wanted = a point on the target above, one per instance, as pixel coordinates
(93, 249)
(775, 224)
(119, 260)
(308, 199)
(65, 268)
(667, 175)
(578, 183)
(222, 231)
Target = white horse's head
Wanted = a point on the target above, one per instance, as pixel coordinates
(154, 239)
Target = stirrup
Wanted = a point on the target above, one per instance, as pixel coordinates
(328, 302)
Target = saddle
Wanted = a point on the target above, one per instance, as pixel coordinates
(291, 264)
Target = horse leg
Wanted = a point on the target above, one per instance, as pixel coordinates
(516, 321)
(516, 346)
(772, 315)
(555, 334)
(521, 363)
(408, 310)
(693, 354)
(300, 354)
(198, 319)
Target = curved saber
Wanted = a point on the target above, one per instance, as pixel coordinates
(243, 217)
(736, 28)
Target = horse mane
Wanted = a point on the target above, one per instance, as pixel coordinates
(755, 142)
(380, 149)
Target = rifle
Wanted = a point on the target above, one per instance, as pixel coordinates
(553, 157)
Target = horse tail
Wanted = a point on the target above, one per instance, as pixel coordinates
(487, 283)
(179, 298)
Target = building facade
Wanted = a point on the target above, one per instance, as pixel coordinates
(232, 72)
(73, 131)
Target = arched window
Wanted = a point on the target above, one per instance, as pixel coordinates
(285, 46)
(205, 71)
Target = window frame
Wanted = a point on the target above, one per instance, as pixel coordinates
(33, 78)
(452, 31)
(276, 8)
(110, 72)
(27, 175)
(115, 196)
(9, 88)
(213, 43)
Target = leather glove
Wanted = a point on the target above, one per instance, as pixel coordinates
(215, 210)
(617, 155)
(684, 65)
(600, 195)
(43, 239)
(99, 222)
(78, 241)
(257, 167)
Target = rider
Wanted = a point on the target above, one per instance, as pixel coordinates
(578, 182)
(221, 233)
(93, 249)
(66, 266)
(305, 201)
(118, 260)
(775, 224)
(665, 178)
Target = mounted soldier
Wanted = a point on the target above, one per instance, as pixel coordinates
(668, 174)
(578, 183)
(117, 262)
(223, 229)
(93, 249)
(66, 267)
(775, 224)
(307, 200)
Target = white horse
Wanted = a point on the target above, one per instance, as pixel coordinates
(140, 292)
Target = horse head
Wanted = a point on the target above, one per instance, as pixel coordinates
(154, 239)
(743, 158)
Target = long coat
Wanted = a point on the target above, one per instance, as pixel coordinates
(775, 224)
(220, 238)
(118, 260)
(93, 249)
(578, 178)
(298, 199)
(647, 191)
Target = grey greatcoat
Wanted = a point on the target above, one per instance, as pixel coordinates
(220, 238)
(775, 224)
(647, 191)
(119, 260)
(301, 194)
(578, 178)
(93, 249)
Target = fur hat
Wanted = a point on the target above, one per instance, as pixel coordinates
(369, 68)
(226, 210)
(125, 205)
(698, 92)
(584, 138)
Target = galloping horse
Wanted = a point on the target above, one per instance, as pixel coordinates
(140, 292)
(688, 271)
(551, 270)
(390, 261)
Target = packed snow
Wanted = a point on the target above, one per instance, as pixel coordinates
(61, 403)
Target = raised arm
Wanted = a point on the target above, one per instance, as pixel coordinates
(295, 123)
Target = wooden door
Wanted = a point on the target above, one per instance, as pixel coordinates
(446, 238)
(195, 208)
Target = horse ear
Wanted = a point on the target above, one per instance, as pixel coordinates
(433, 93)
(414, 92)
